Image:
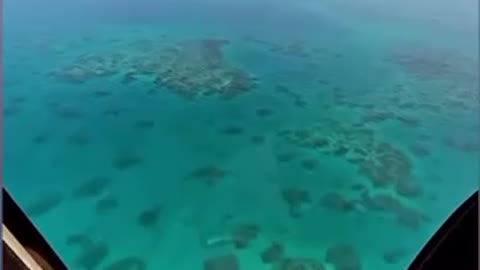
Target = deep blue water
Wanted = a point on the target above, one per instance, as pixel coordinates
(167, 134)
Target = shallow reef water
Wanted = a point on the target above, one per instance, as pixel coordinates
(272, 135)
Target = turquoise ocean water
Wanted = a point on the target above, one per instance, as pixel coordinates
(225, 135)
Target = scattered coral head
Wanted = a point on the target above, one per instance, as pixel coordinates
(343, 257)
(299, 264)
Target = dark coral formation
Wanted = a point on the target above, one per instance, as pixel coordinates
(127, 263)
(297, 99)
(222, 262)
(11, 110)
(243, 234)
(78, 240)
(455, 77)
(296, 198)
(343, 257)
(436, 64)
(126, 161)
(209, 174)
(381, 202)
(92, 255)
(299, 264)
(340, 150)
(190, 68)
(105, 205)
(273, 253)
(358, 187)
(18, 99)
(382, 163)
(302, 134)
(296, 49)
(409, 188)
(100, 93)
(40, 139)
(309, 164)
(320, 142)
(149, 217)
(406, 215)
(144, 124)
(44, 204)
(113, 111)
(91, 188)
(129, 77)
(67, 111)
(337, 201)
(263, 112)
(391, 166)
(419, 150)
(257, 139)
(378, 116)
(283, 90)
(323, 82)
(393, 256)
(409, 120)
(197, 67)
(411, 218)
(89, 66)
(286, 157)
(78, 139)
(232, 130)
(466, 145)
(300, 103)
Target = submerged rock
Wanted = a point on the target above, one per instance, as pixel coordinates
(10, 111)
(149, 217)
(243, 234)
(127, 263)
(257, 139)
(336, 201)
(92, 256)
(40, 139)
(273, 253)
(78, 139)
(126, 161)
(343, 257)
(419, 150)
(295, 196)
(263, 112)
(409, 121)
(300, 103)
(285, 157)
(79, 239)
(309, 164)
(409, 188)
(144, 124)
(320, 142)
(91, 188)
(222, 262)
(67, 111)
(282, 89)
(100, 93)
(44, 205)
(106, 204)
(209, 174)
(232, 130)
(411, 218)
(381, 202)
(393, 256)
(299, 264)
